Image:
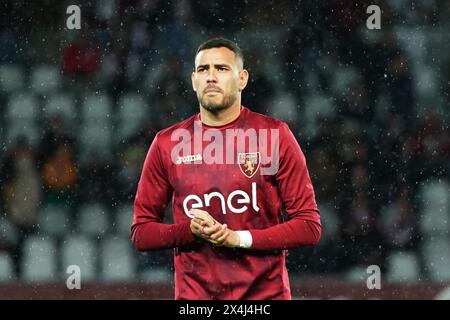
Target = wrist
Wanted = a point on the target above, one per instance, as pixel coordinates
(245, 239)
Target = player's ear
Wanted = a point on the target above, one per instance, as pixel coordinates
(243, 79)
(193, 81)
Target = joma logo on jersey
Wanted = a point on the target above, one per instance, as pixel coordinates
(249, 163)
(193, 201)
(189, 159)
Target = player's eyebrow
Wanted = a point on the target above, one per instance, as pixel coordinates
(203, 66)
(220, 65)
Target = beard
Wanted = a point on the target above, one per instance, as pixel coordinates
(215, 107)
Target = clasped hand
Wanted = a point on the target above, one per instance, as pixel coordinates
(203, 225)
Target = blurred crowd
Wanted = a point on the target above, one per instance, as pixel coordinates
(368, 107)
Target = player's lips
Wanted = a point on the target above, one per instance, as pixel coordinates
(212, 89)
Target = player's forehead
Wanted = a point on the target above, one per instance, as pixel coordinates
(213, 56)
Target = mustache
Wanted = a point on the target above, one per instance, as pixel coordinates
(212, 87)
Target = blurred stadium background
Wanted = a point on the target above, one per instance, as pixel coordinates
(79, 109)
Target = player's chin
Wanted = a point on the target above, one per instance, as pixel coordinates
(213, 99)
(212, 105)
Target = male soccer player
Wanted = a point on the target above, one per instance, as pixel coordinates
(228, 172)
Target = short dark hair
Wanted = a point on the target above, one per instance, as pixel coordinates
(221, 42)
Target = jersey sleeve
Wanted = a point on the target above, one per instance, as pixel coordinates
(297, 194)
(148, 232)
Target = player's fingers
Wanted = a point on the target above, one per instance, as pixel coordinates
(198, 211)
(220, 237)
(198, 229)
(216, 235)
(203, 215)
(195, 224)
(199, 221)
(203, 221)
(200, 214)
(219, 233)
(211, 230)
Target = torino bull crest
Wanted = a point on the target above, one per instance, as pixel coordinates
(249, 163)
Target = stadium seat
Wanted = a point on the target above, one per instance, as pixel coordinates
(95, 138)
(317, 106)
(284, 107)
(95, 132)
(403, 266)
(7, 273)
(342, 78)
(39, 259)
(131, 114)
(426, 82)
(444, 294)
(54, 220)
(414, 43)
(8, 232)
(329, 219)
(153, 76)
(11, 78)
(22, 106)
(98, 108)
(81, 251)
(357, 274)
(60, 104)
(93, 220)
(117, 260)
(26, 129)
(105, 10)
(435, 210)
(382, 107)
(45, 79)
(436, 253)
(156, 275)
(123, 220)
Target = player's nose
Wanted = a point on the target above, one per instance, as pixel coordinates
(211, 77)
